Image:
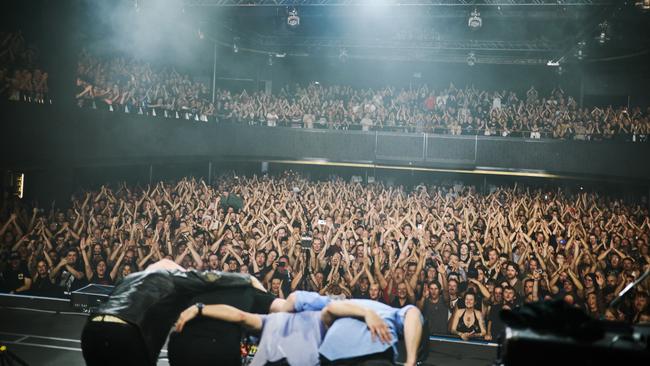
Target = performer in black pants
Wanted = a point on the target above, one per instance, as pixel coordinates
(131, 327)
(210, 342)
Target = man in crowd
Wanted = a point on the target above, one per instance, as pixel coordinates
(16, 278)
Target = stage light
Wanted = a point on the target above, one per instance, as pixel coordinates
(580, 51)
(603, 37)
(471, 59)
(16, 183)
(293, 20)
(200, 34)
(475, 22)
(235, 47)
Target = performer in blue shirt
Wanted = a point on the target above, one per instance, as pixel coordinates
(322, 331)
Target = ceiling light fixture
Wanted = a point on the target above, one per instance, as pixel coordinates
(293, 20)
(471, 59)
(475, 22)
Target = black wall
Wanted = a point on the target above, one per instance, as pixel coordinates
(44, 136)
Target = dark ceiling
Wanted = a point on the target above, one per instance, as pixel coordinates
(531, 34)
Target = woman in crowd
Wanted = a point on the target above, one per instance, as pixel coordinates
(467, 322)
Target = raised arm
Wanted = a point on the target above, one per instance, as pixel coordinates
(340, 309)
(220, 312)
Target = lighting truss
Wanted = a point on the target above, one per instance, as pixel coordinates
(419, 56)
(464, 45)
(401, 3)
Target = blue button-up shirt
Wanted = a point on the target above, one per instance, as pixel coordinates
(348, 337)
(292, 336)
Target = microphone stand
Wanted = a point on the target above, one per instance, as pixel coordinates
(627, 288)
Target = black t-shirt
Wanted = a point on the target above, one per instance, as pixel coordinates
(43, 286)
(358, 294)
(106, 280)
(396, 304)
(437, 315)
(286, 281)
(262, 273)
(14, 278)
(67, 280)
(498, 326)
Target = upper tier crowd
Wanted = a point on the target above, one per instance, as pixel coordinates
(20, 79)
(137, 87)
(133, 86)
(459, 255)
(120, 84)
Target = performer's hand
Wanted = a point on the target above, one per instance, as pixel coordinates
(187, 315)
(378, 328)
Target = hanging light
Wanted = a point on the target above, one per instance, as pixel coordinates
(293, 20)
(580, 51)
(475, 22)
(603, 37)
(471, 59)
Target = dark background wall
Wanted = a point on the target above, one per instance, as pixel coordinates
(67, 148)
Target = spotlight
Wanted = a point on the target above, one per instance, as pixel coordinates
(293, 20)
(580, 52)
(603, 37)
(471, 59)
(235, 47)
(200, 34)
(270, 60)
(343, 55)
(475, 22)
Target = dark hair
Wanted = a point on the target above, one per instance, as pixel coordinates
(514, 265)
(528, 280)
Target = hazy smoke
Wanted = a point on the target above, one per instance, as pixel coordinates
(156, 30)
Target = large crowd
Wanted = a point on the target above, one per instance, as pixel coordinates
(458, 254)
(20, 78)
(118, 84)
(124, 84)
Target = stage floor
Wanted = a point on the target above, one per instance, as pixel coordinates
(51, 337)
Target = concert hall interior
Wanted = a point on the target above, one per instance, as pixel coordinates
(324, 182)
